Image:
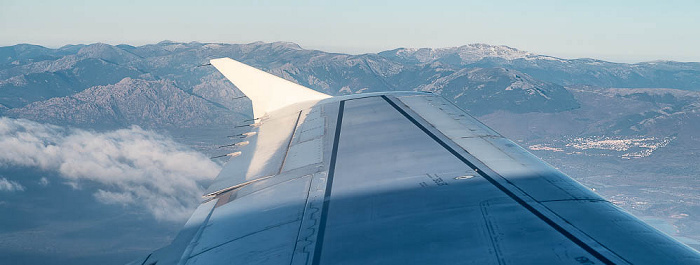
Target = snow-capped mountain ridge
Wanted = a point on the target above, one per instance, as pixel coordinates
(467, 54)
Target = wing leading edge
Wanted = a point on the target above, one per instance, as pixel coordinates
(398, 178)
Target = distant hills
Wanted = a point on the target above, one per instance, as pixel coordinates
(592, 72)
(165, 84)
(150, 103)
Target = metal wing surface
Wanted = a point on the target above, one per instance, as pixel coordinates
(398, 178)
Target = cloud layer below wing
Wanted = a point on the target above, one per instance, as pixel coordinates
(132, 166)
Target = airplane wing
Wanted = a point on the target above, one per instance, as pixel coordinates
(396, 178)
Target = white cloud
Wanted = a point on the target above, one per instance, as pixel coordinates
(134, 166)
(44, 181)
(9, 185)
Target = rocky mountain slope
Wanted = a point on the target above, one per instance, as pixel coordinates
(141, 102)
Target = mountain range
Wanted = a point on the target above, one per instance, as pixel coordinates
(35, 81)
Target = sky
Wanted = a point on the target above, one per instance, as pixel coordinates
(622, 31)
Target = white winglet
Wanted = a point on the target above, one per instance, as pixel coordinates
(266, 91)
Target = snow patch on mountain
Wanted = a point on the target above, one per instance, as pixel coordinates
(467, 54)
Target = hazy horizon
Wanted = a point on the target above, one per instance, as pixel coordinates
(340, 49)
(620, 31)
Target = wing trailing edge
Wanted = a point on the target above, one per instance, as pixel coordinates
(267, 92)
